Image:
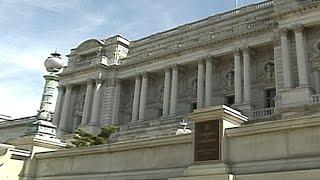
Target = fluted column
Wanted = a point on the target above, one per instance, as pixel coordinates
(65, 108)
(166, 92)
(87, 102)
(174, 91)
(200, 84)
(286, 63)
(208, 82)
(246, 75)
(237, 77)
(301, 56)
(96, 102)
(136, 99)
(115, 115)
(58, 108)
(143, 96)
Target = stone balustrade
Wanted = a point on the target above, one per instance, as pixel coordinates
(164, 121)
(263, 113)
(315, 98)
(150, 47)
(206, 21)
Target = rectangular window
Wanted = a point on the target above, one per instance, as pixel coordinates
(270, 97)
(229, 100)
(193, 106)
(160, 112)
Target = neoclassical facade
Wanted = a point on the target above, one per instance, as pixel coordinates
(262, 59)
(245, 81)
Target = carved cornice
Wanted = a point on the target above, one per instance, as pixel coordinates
(206, 41)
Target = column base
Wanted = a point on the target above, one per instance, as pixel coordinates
(245, 107)
(296, 96)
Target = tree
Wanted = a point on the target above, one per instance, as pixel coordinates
(85, 139)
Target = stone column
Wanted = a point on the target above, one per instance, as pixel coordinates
(57, 111)
(65, 108)
(87, 103)
(116, 106)
(246, 75)
(208, 82)
(136, 99)
(301, 56)
(174, 91)
(96, 102)
(166, 92)
(316, 77)
(286, 64)
(237, 77)
(200, 84)
(143, 96)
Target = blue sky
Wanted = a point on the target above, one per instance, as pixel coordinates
(32, 29)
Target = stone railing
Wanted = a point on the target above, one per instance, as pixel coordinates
(174, 120)
(199, 34)
(315, 98)
(263, 113)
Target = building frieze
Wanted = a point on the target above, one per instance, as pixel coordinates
(148, 58)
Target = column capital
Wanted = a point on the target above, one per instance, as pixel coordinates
(60, 87)
(200, 60)
(245, 49)
(89, 81)
(167, 68)
(236, 51)
(298, 28)
(144, 74)
(175, 66)
(98, 80)
(68, 85)
(283, 31)
(209, 59)
(137, 75)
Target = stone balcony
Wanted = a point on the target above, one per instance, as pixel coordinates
(315, 98)
(164, 126)
(265, 113)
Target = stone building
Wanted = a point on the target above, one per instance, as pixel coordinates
(261, 60)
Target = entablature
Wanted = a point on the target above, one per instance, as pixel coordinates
(208, 32)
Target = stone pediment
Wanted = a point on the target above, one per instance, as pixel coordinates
(90, 44)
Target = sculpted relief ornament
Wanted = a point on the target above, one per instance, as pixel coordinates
(229, 78)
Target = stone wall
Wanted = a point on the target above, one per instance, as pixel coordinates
(282, 146)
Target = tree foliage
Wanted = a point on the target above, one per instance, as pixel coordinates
(85, 139)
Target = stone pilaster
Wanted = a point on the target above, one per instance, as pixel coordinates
(87, 103)
(200, 85)
(237, 77)
(166, 92)
(208, 82)
(246, 75)
(65, 109)
(174, 91)
(301, 56)
(136, 99)
(96, 102)
(143, 96)
(116, 107)
(286, 64)
(58, 108)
